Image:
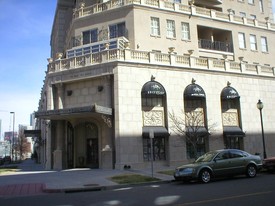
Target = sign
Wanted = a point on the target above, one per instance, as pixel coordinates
(151, 134)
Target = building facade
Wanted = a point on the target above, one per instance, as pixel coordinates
(120, 71)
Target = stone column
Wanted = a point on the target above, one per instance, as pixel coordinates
(57, 154)
(49, 97)
(60, 95)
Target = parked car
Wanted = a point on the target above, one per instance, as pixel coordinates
(269, 164)
(225, 162)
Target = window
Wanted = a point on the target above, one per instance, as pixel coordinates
(252, 16)
(117, 30)
(185, 31)
(152, 102)
(158, 149)
(200, 147)
(155, 27)
(241, 37)
(236, 154)
(251, 1)
(261, 6)
(242, 14)
(253, 42)
(171, 30)
(90, 36)
(264, 44)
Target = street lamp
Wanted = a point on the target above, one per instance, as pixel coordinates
(12, 134)
(260, 106)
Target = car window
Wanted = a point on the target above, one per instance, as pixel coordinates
(206, 157)
(236, 154)
(222, 156)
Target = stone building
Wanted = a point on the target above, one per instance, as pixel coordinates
(119, 69)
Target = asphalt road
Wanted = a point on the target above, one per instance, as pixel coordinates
(235, 191)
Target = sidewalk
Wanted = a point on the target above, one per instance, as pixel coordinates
(33, 179)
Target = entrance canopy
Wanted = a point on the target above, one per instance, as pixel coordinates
(32, 133)
(62, 113)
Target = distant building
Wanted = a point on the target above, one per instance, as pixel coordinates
(119, 68)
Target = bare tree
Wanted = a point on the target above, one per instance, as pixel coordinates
(191, 126)
(23, 146)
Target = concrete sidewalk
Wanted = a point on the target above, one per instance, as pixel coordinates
(33, 179)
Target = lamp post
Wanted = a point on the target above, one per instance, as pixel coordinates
(12, 134)
(260, 106)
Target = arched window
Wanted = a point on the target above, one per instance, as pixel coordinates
(153, 97)
(196, 131)
(231, 118)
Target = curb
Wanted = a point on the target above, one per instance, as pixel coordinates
(101, 188)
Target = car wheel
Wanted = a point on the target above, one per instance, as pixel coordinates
(251, 171)
(205, 176)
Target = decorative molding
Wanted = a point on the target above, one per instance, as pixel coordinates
(230, 119)
(152, 118)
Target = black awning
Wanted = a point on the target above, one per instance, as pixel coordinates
(233, 131)
(32, 133)
(194, 91)
(153, 88)
(229, 93)
(200, 131)
(158, 132)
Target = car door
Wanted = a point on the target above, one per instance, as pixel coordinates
(221, 164)
(237, 162)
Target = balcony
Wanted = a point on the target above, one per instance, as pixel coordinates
(215, 45)
(84, 49)
(183, 62)
(83, 11)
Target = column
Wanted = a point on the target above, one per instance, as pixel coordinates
(57, 154)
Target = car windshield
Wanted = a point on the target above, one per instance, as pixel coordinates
(206, 157)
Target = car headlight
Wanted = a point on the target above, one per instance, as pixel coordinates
(186, 171)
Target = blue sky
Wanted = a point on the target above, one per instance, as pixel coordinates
(25, 27)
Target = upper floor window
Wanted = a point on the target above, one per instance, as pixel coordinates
(185, 31)
(242, 14)
(251, 1)
(241, 38)
(90, 36)
(264, 44)
(117, 30)
(252, 16)
(253, 42)
(171, 30)
(155, 26)
(261, 5)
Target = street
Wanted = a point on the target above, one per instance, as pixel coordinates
(234, 191)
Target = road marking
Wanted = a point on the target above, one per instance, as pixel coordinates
(121, 189)
(225, 198)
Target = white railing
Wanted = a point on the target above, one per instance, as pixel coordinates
(156, 58)
(83, 11)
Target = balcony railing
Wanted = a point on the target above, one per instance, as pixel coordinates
(215, 45)
(83, 11)
(156, 58)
